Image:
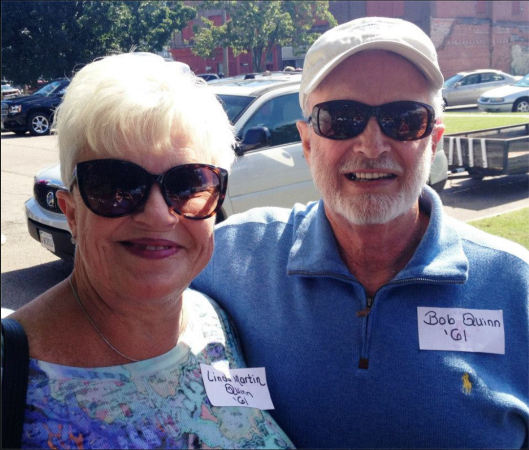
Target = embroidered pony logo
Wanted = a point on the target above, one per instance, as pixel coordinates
(467, 385)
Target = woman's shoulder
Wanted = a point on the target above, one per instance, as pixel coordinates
(48, 319)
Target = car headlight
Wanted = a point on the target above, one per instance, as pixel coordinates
(496, 99)
(15, 109)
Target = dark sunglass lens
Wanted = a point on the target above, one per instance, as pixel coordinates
(193, 191)
(111, 188)
(341, 119)
(405, 121)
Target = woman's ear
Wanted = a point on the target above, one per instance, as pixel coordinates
(67, 204)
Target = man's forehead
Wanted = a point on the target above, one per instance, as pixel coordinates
(373, 70)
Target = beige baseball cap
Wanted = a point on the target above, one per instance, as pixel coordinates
(368, 33)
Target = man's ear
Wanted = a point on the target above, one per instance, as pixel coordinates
(437, 135)
(67, 204)
(304, 132)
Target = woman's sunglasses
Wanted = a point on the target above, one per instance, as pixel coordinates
(115, 188)
(346, 119)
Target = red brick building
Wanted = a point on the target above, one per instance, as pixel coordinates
(470, 34)
(223, 60)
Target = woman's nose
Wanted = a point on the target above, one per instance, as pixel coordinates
(155, 210)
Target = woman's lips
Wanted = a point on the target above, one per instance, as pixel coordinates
(151, 248)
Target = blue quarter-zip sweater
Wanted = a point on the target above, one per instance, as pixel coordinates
(339, 378)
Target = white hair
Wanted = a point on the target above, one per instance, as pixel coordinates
(141, 101)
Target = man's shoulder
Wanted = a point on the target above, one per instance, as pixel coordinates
(479, 243)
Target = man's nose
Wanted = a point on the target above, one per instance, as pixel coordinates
(372, 142)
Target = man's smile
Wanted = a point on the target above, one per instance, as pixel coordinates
(369, 176)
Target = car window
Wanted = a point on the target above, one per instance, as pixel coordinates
(471, 79)
(49, 89)
(489, 76)
(452, 80)
(279, 115)
(234, 105)
(524, 82)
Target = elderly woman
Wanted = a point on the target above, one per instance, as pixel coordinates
(115, 349)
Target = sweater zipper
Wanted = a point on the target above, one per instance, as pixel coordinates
(364, 354)
(363, 363)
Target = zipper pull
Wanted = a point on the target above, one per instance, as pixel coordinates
(365, 312)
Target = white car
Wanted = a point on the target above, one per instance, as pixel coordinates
(270, 169)
(514, 97)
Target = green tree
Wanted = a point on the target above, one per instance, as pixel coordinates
(55, 38)
(258, 26)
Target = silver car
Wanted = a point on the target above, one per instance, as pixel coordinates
(464, 88)
(514, 97)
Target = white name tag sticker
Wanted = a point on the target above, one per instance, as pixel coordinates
(461, 329)
(237, 387)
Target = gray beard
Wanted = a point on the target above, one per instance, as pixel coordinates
(371, 209)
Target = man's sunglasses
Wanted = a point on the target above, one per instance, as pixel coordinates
(346, 119)
(115, 188)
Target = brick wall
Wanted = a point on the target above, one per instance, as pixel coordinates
(469, 34)
(466, 44)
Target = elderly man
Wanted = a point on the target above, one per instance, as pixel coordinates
(380, 321)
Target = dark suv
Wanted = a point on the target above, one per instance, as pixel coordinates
(33, 113)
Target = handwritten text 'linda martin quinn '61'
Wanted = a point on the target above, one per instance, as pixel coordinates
(461, 329)
(237, 387)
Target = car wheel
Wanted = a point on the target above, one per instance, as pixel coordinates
(39, 124)
(521, 105)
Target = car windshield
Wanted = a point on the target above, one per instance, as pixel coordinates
(234, 105)
(453, 80)
(524, 82)
(49, 89)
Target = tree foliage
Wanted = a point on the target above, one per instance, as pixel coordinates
(54, 38)
(258, 26)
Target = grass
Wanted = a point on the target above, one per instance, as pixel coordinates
(513, 226)
(457, 122)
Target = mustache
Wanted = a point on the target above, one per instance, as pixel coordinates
(359, 162)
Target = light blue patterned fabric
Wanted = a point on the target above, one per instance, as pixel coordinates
(156, 403)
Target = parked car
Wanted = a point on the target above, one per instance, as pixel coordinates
(270, 168)
(464, 88)
(33, 113)
(9, 91)
(514, 97)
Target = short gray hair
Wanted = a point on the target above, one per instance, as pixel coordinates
(140, 100)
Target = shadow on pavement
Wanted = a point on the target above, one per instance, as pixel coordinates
(464, 192)
(21, 286)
